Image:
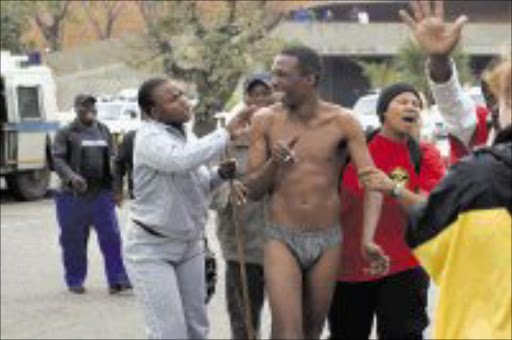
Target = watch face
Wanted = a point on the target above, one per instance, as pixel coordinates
(395, 192)
(399, 176)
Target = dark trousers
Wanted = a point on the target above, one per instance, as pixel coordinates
(75, 214)
(234, 297)
(398, 301)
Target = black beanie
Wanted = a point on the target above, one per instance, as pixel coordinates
(389, 93)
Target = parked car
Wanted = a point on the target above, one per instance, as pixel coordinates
(119, 115)
(475, 92)
(365, 110)
(433, 124)
(129, 95)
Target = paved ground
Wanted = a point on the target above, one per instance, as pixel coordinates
(35, 303)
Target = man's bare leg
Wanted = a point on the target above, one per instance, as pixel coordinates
(283, 281)
(319, 287)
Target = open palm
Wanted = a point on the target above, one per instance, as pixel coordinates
(433, 35)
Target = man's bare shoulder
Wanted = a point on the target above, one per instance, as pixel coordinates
(267, 114)
(341, 115)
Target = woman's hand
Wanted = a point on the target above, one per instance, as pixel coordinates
(376, 180)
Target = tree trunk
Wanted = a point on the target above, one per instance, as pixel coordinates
(53, 38)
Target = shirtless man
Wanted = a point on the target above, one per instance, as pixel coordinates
(294, 157)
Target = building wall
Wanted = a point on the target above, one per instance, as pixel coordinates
(381, 11)
(385, 39)
(90, 69)
(343, 81)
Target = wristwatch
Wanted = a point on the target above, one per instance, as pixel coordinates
(397, 189)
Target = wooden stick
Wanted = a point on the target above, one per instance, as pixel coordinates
(239, 222)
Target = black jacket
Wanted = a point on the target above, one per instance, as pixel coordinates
(480, 181)
(67, 152)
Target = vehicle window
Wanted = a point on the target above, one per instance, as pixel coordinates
(132, 114)
(109, 112)
(478, 99)
(366, 106)
(28, 102)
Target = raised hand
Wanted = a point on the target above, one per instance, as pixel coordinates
(433, 34)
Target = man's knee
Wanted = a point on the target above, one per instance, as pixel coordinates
(313, 324)
(313, 331)
(287, 332)
(108, 232)
(289, 326)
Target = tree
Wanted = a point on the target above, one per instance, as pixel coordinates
(49, 17)
(379, 74)
(103, 15)
(13, 24)
(409, 66)
(209, 44)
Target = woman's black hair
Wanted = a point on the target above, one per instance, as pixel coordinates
(145, 96)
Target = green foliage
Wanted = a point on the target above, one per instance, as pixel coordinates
(409, 66)
(379, 74)
(13, 19)
(213, 52)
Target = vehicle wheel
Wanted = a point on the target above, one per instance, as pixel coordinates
(29, 185)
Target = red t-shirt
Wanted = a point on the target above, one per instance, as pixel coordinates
(458, 149)
(432, 167)
(393, 158)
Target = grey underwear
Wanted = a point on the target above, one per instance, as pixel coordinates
(306, 247)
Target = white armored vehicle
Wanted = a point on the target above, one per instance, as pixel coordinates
(28, 119)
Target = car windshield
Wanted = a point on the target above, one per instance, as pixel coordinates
(109, 111)
(477, 98)
(366, 106)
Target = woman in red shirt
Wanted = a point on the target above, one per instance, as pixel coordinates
(398, 299)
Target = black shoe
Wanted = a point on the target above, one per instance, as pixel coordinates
(76, 289)
(118, 288)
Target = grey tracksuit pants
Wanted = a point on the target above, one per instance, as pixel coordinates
(168, 277)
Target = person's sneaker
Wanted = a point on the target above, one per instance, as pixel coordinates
(76, 289)
(118, 288)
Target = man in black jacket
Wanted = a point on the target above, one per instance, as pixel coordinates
(81, 153)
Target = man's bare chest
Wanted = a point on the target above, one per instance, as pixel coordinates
(314, 141)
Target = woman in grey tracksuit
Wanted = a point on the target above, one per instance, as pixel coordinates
(164, 245)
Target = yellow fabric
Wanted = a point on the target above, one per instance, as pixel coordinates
(470, 261)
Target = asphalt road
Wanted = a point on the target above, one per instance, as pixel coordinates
(35, 303)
